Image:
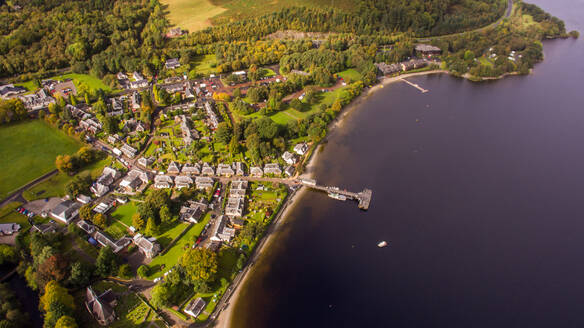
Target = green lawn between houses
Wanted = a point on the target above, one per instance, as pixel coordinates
(123, 213)
(93, 83)
(28, 150)
(350, 75)
(170, 258)
(204, 64)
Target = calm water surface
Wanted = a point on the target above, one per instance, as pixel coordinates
(478, 187)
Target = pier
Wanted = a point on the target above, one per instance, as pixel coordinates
(415, 85)
(363, 197)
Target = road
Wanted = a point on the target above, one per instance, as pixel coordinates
(15, 195)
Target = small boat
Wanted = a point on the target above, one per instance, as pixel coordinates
(382, 244)
(334, 195)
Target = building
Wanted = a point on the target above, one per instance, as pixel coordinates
(163, 181)
(38, 100)
(427, 49)
(173, 168)
(175, 32)
(256, 171)
(204, 182)
(183, 181)
(9, 90)
(193, 212)
(225, 170)
(7, 229)
(272, 168)
(86, 226)
(128, 150)
(221, 232)
(189, 169)
(172, 63)
(83, 199)
(212, 119)
(105, 241)
(101, 306)
(207, 169)
(91, 125)
(102, 185)
(148, 246)
(301, 148)
(289, 158)
(135, 100)
(195, 307)
(237, 223)
(66, 211)
(137, 76)
(113, 139)
(236, 200)
(44, 228)
(289, 170)
(103, 207)
(134, 180)
(239, 168)
(145, 161)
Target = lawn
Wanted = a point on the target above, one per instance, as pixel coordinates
(204, 64)
(170, 258)
(123, 213)
(8, 214)
(192, 15)
(116, 230)
(350, 75)
(55, 185)
(93, 83)
(28, 150)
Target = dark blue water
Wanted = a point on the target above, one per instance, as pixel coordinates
(479, 187)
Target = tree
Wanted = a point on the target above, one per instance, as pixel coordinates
(86, 154)
(200, 264)
(151, 227)
(165, 215)
(106, 263)
(296, 104)
(7, 254)
(78, 185)
(64, 164)
(54, 268)
(161, 295)
(80, 274)
(143, 271)
(100, 220)
(125, 272)
(66, 322)
(54, 293)
(223, 133)
(137, 221)
(86, 212)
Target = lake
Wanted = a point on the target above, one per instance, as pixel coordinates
(478, 189)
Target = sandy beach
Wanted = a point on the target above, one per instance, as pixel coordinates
(224, 318)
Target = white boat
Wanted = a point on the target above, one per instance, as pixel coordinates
(337, 196)
(382, 244)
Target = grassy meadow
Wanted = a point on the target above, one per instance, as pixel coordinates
(28, 150)
(192, 15)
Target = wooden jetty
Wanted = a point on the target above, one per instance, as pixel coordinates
(414, 85)
(363, 197)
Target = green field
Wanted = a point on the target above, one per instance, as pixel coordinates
(350, 75)
(93, 83)
(28, 150)
(170, 258)
(192, 15)
(123, 213)
(204, 64)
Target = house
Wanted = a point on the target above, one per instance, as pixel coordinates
(102, 185)
(36, 101)
(193, 212)
(289, 170)
(239, 168)
(173, 168)
(195, 307)
(207, 169)
(163, 181)
(44, 228)
(225, 170)
(272, 168)
(238, 188)
(135, 100)
(101, 306)
(256, 171)
(175, 32)
(137, 76)
(7, 229)
(121, 76)
(103, 207)
(105, 241)
(113, 139)
(204, 182)
(427, 49)
(134, 180)
(86, 226)
(128, 150)
(90, 125)
(145, 161)
(66, 211)
(235, 201)
(301, 148)
(148, 246)
(212, 119)
(140, 127)
(221, 232)
(83, 199)
(117, 105)
(138, 84)
(189, 169)
(289, 158)
(9, 90)
(183, 181)
(172, 63)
